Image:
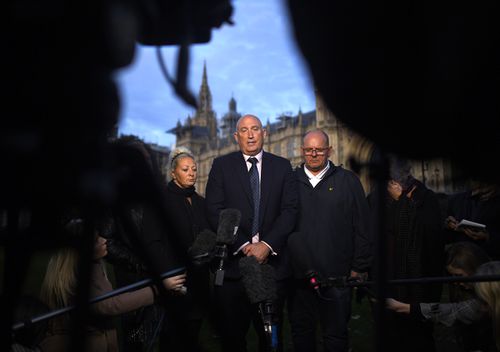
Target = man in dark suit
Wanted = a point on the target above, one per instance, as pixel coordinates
(262, 186)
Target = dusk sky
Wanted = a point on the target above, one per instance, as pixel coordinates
(255, 61)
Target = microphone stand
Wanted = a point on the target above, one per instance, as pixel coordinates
(266, 311)
(344, 281)
(220, 252)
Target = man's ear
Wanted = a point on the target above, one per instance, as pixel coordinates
(264, 132)
(329, 152)
(236, 137)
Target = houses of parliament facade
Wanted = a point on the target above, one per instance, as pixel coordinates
(208, 138)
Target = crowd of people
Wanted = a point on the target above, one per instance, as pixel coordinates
(324, 206)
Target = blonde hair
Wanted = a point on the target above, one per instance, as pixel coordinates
(59, 283)
(489, 292)
(177, 154)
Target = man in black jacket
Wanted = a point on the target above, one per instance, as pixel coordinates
(333, 231)
(262, 186)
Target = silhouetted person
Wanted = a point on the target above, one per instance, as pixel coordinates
(415, 248)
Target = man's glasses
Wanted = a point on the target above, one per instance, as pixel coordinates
(318, 151)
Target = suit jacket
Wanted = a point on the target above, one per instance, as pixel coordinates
(229, 187)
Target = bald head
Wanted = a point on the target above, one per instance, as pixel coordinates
(250, 134)
(316, 134)
(246, 117)
(316, 150)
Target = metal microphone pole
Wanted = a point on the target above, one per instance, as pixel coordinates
(344, 281)
(131, 287)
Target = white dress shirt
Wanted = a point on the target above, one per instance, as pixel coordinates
(259, 164)
(315, 179)
(255, 239)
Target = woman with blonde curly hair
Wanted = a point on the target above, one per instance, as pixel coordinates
(186, 214)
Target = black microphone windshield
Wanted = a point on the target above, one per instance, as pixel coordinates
(229, 220)
(258, 280)
(203, 246)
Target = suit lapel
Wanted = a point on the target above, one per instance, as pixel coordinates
(242, 172)
(266, 181)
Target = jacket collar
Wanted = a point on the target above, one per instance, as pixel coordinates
(302, 177)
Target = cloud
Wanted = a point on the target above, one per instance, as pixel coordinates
(255, 61)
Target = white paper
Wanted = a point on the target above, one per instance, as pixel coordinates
(467, 223)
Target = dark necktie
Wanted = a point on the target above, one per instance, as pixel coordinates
(254, 184)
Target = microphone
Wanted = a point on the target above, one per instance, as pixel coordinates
(260, 286)
(229, 220)
(301, 260)
(201, 251)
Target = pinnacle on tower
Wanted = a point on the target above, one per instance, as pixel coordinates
(232, 104)
(204, 97)
(204, 81)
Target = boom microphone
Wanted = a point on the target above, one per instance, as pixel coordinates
(260, 286)
(202, 250)
(229, 221)
(258, 280)
(301, 260)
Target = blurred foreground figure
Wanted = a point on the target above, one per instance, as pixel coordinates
(140, 245)
(415, 248)
(59, 288)
(481, 204)
(486, 304)
(430, 64)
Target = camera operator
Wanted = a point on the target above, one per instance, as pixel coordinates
(139, 236)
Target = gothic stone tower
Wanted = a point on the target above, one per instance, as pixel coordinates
(199, 132)
(205, 115)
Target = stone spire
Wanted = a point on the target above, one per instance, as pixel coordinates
(232, 104)
(205, 96)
